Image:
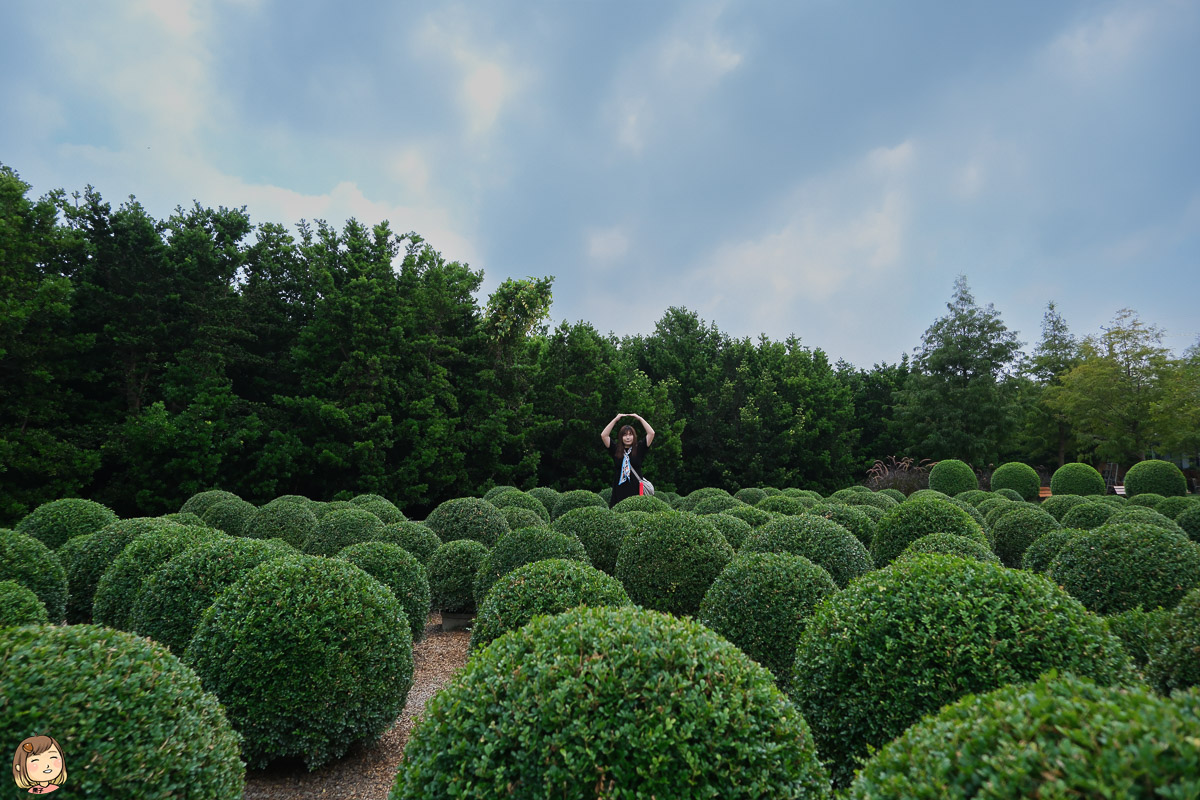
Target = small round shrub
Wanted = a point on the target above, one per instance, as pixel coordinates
(919, 493)
(852, 518)
(750, 495)
(415, 537)
(1140, 631)
(32, 564)
(717, 504)
(452, 575)
(997, 511)
(546, 496)
(229, 516)
(1041, 554)
(1159, 477)
(668, 562)
(59, 520)
(183, 518)
(991, 501)
(20, 606)
(291, 522)
(599, 530)
(340, 529)
(604, 494)
(132, 720)
(1021, 478)
(638, 502)
(524, 546)
(841, 494)
(761, 602)
(901, 642)
(973, 496)
(751, 515)
(498, 490)
(174, 597)
(874, 512)
(1140, 515)
(1018, 529)
(295, 498)
(947, 544)
(468, 518)
(816, 496)
(895, 494)
(733, 529)
(671, 498)
(1174, 662)
(550, 710)
(521, 518)
(784, 504)
(323, 509)
(578, 498)
(514, 498)
(689, 502)
(1189, 520)
(549, 586)
(93, 554)
(1089, 515)
(1009, 494)
(1112, 499)
(307, 656)
(1061, 737)
(913, 519)
(1147, 500)
(381, 507)
(1172, 507)
(1119, 567)
(952, 476)
(1057, 505)
(401, 572)
(884, 502)
(973, 513)
(1076, 478)
(820, 540)
(201, 501)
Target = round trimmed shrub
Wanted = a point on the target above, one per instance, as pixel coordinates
(340, 529)
(183, 518)
(59, 520)
(1189, 520)
(515, 498)
(1119, 567)
(1057, 505)
(852, 518)
(132, 719)
(498, 490)
(750, 495)
(997, 511)
(401, 572)
(468, 518)
(1172, 507)
(884, 502)
(32, 564)
(174, 598)
(1175, 662)
(229, 516)
(895, 494)
(1112, 499)
(947, 544)
(289, 521)
(548, 711)
(549, 586)
(669, 560)
(761, 602)
(785, 504)
(20, 606)
(521, 547)
(320, 510)
(1021, 478)
(605, 494)
(1159, 477)
(1147, 500)
(1140, 631)
(901, 642)
(1059, 737)
(546, 496)
(1077, 478)
(92, 555)
(599, 530)
(733, 529)
(717, 504)
(928, 493)
(1018, 529)
(793, 491)
(1140, 515)
(693, 499)
(841, 494)
(452, 575)
(1009, 494)
(381, 507)
(295, 498)
(671, 497)
(308, 656)
(639, 502)
(521, 518)
(972, 512)
(986, 505)
(751, 515)
(201, 501)
(973, 496)
(1089, 515)
(1041, 554)
(820, 540)
(952, 476)
(415, 537)
(873, 512)
(919, 517)
(578, 498)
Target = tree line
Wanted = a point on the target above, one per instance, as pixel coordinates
(143, 360)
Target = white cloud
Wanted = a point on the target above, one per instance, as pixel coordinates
(607, 245)
(1097, 48)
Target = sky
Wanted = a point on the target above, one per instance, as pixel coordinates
(812, 168)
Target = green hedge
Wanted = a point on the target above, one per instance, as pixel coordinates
(1159, 477)
(401, 572)
(670, 560)
(55, 522)
(820, 540)
(522, 547)
(452, 575)
(1076, 478)
(952, 476)
(29, 562)
(1018, 529)
(599, 530)
(20, 606)
(919, 517)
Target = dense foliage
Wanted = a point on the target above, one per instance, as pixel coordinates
(1155, 476)
(951, 476)
(1076, 478)
(669, 560)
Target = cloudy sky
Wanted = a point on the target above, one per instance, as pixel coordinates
(811, 167)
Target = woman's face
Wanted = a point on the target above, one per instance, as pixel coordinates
(627, 438)
(44, 766)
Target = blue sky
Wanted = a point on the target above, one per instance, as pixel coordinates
(820, 168)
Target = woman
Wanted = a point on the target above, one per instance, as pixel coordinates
(627, 453)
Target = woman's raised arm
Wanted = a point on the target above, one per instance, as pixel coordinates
(604, 434)
(646, 425)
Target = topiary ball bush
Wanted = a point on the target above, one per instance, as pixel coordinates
(1076, 478)
(599, 530)
(415, 537)
(549, 586)
(1057, 505)
(668, 562)
(751, 515)
(761, 602)
(717, 504)
(578, 498)
(32, 564)
(820, 540)
(973, 496)
(85, 558)
(521, 518)
(604, 494)
(201, 501)
(1174, 662)
(1140, 631)
(947, 544)
(785, 504)
(692, 499)
(546, 496)
(401, 572)
(321, 509)
(901, 642)
(1172, 507)
(515, 498)
(610, 702)
(229, 515)
(1112, 499)
(292, 522)
(380, 506)
(452, 575)
(1008, 494)
(952, 476)
(641, 502)
(307, 656)
(1119, 567)
(919, 493)
(521, 547)
(20, 606)
(852, 518)
(1089, 515)
(880, 500)
(1021, 478)
(750, 494)
(1041, 554)
(1019, 528)
(895, 494)
(733, 529)
(468, 518)
(1061, 737)
(1146, 499)
(1189, 520)
(1141, 515)
(132, 721)
(919, 517)
(339, 529)
(55, 522)
(1159, 477)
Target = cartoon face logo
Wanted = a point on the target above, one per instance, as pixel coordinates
(38, 765)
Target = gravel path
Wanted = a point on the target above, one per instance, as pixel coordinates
(367, 773)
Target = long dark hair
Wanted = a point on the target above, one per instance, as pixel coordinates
(617, 446)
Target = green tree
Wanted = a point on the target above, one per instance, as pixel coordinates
(1178, 410)
(873, 392)
(1046, 432)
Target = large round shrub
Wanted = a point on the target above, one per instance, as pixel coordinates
(785, 504)
(1118, 567)
(174, 598)
(468, 518)
(1021, 478)
(952, 476)
(972, 496)
(1138, 515)
(902, 642)
(751, 515)
(919, 517)
(340, 529)
(1140, 631)
(606, 701)
(1159, 477)
(415, 537)
(201, 501)
(733, 529)
(1057, 505)
(852, 518)
(761, 602)
(322, 509)
(1089, 515)
(229, 515)
(546, 496)
(947, 544)
(20, 606)
(380, 506)
(716, 504)
(32, 564)
(1041, 554)
(286, 520)
(1076, 478)
(820, 540)
(308, 656)
(1061, 737)
(1172, 507)
(884, 502)
(1018, 529)
(998, 511)
(59, 520)
(895, 494)
(642, 502)
(577, 498)
(496, 491)
(549, 586)
(1175, 662)
(693, 499)
(132, 721)
(670, 560)
(515, 498)
(93, 554)
(1009, 494)
(521, 518)
(1147, 500)
(1112, 499)
(401, 572)
(919, 493)
(599, 530)
(750, 494)
(972, 512)
(452, 575)
(1189, 520)
(521, 547)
